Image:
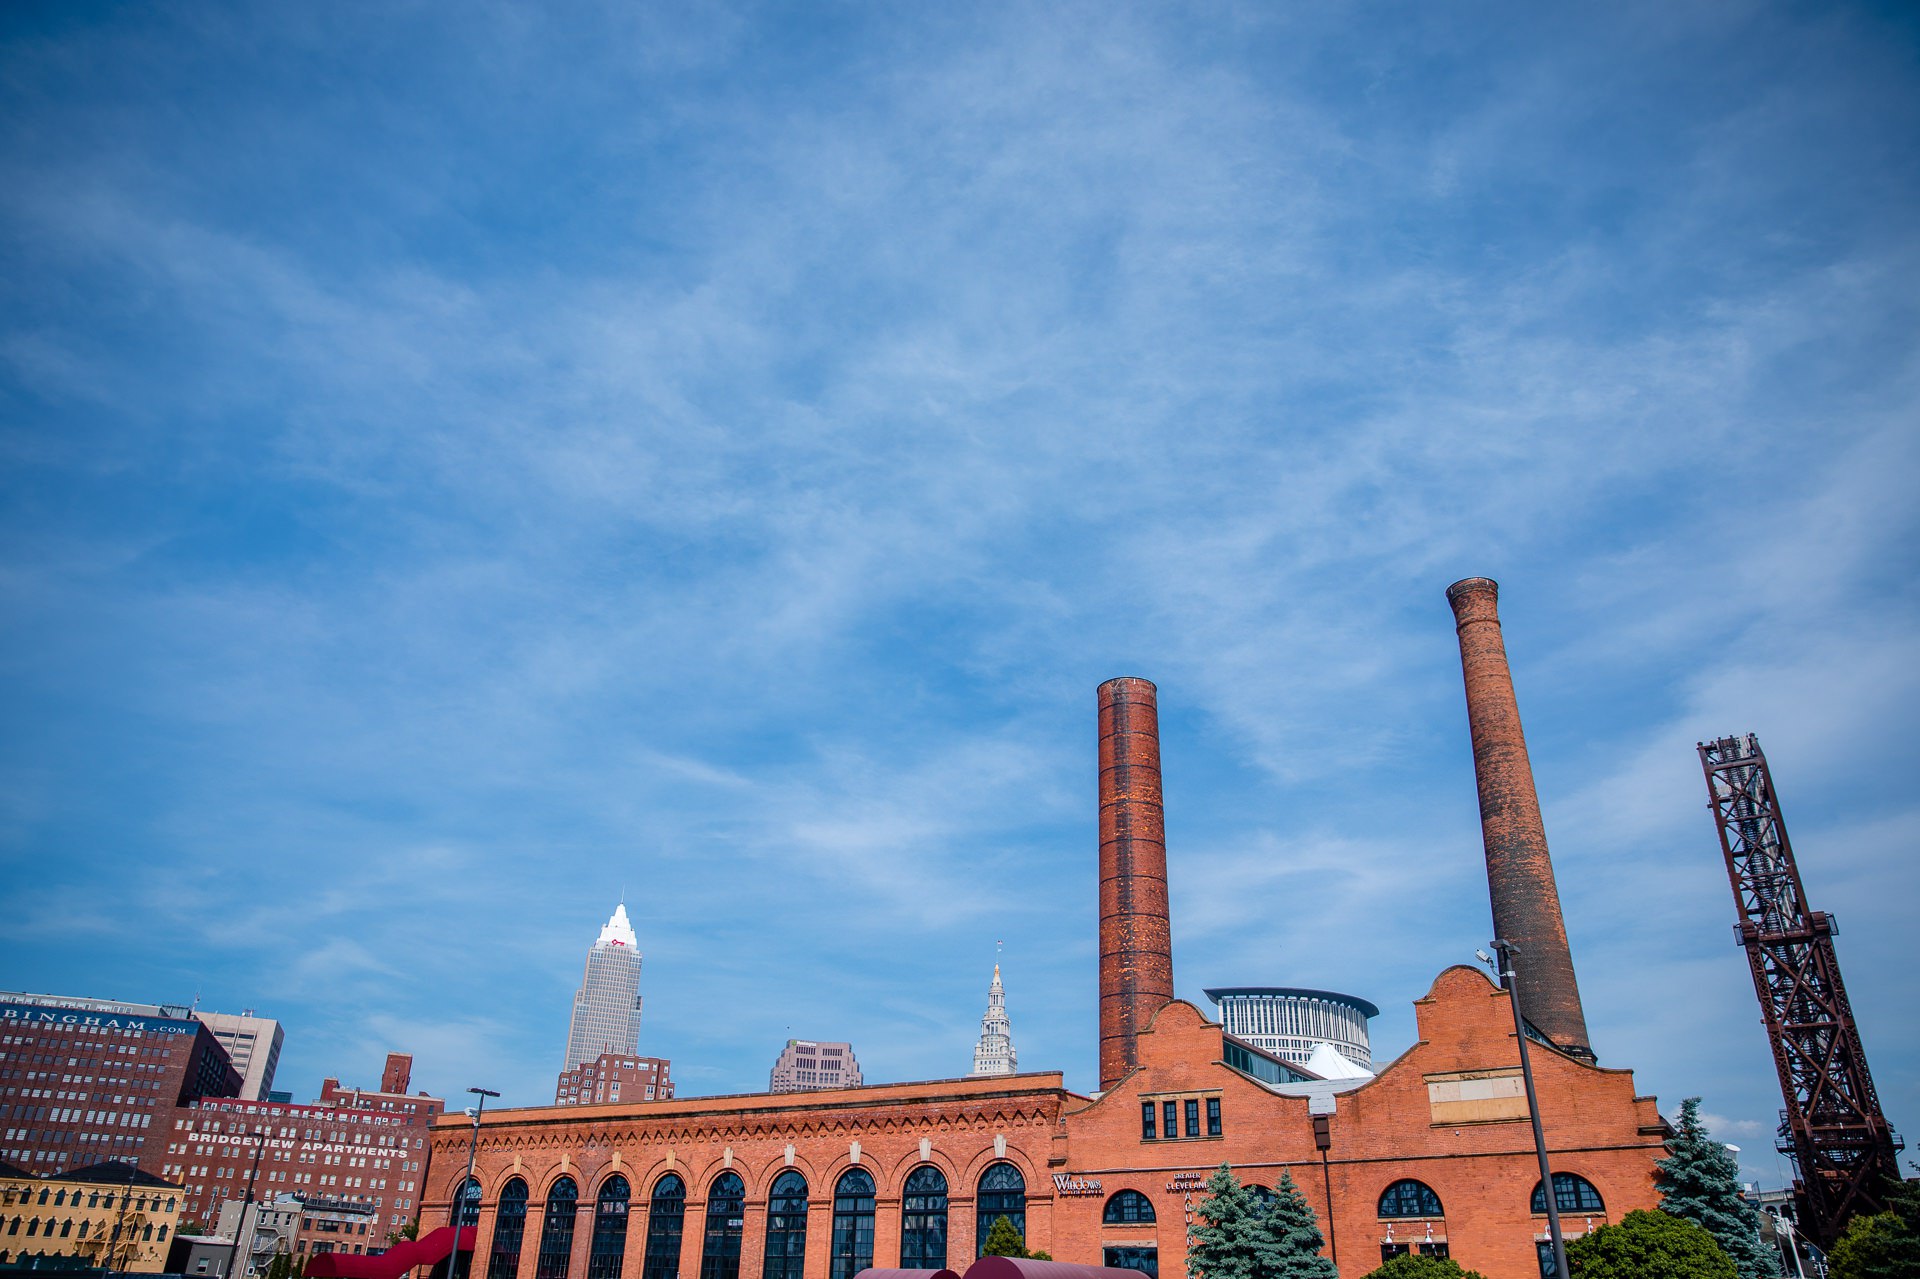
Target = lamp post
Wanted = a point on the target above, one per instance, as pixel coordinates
(460, 1194)
(1507, 952)
(246, 1207)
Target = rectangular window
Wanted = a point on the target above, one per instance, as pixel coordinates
(1213, 1116)
(1170, 1118)
(1146, 1121)
(1193, 1116)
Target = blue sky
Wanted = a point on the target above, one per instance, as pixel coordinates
(464, 462)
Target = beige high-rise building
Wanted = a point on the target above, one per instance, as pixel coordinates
(253, 1043)
(806, 1065)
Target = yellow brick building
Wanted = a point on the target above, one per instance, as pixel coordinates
(110, 1214)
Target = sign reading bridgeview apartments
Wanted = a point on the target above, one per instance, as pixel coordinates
(39, 1015)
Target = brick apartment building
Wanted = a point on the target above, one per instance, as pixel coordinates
(365, 1147)
(87, 1081)
(614, 1077)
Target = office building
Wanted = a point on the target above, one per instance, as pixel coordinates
(606, 1008)
(806, 1065)
(254, 1045)
(1289, 1022)
(994, 1053)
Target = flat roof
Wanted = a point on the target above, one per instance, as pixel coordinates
(1295, 992)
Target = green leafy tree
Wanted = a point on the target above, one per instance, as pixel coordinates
(1410, 1266)
(409, 1231)
(281, 1267)
(1649, 1245)
(1883, 1246)
(1701, 1182)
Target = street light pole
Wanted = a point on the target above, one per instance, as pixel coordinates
(233, 1251)
(1507, 951)
(460, 1194)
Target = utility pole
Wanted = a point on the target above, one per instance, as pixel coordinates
(246, 1208)
(458, 1204)
(1507, 951)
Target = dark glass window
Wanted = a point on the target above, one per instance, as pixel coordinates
(1571, 1193)
(1170, 1118)
(470, 1203)
(509, 1225)
(786, 1227)
(1213, 1116)
(609, 1229)
(1146, 1121)
(923, 1220)
(1433, 1248)
(852, 1223)
(1411, 1199)
(666, 1216)
(1127, 1207)
(1145, 1260)
(1548, 1269)
(556, 1232)
(1003, 1193)
(1388, 1251)
(1193, 1116)
(726, 1204)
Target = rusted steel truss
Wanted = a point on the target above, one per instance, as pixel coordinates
(1833, 1129)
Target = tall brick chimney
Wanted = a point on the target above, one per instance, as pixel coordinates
(1526, 905)
(1136, 956)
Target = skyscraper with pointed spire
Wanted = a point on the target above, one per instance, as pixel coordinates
(606, 1008)
(994, 1054)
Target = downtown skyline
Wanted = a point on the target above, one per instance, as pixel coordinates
(464, 467)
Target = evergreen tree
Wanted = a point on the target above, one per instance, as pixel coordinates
(1649, 1245)
(1409, 1266)
(1701, 1182)
(1885, 1245)
(281, 1267)
(1003, 1240)
(1237, 1237)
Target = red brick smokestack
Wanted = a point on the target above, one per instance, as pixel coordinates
(1136, 956)
(1526, 905)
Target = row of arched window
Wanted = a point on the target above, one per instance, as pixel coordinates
(1572, 1193)
(1002, 1192)
(60, 1194)
(34, 1226)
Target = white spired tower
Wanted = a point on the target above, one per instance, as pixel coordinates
(994, 1054)
(606, 1008)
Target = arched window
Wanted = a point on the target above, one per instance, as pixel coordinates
(84, 1226)
(1003, 1193)
(923, 1220)
(66, 1228)
(60, 1198)
(556, 1232)
(666, 1217)
(469, 1200)
(720, 1252)
(786, 1227)
(44, 1192)
(163, 1231)
(1411, 1198)
(609, 1229)
(509, 1226)
(1126, 1208)
(1571, 1193)
(852, 1223)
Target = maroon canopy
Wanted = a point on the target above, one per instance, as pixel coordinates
(906, 1274)
(1021, 1268)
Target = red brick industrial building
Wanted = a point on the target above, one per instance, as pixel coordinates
(1434, 1155)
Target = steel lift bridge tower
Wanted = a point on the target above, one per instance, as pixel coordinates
(1842, 1147)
